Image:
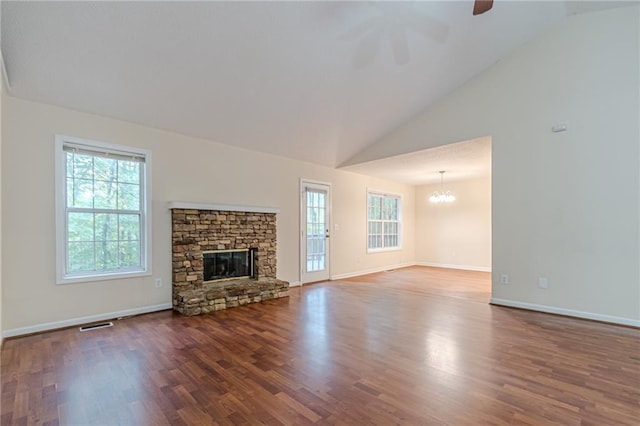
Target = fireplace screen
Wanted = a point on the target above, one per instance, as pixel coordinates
(227, 264)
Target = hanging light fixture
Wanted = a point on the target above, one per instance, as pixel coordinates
(442, 196)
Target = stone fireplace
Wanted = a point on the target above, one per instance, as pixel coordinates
(223, 256)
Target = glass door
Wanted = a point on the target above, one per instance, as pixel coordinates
(314, 243)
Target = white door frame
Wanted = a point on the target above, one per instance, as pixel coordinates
(321, 275)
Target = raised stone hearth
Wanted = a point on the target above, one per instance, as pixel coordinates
(197, 228)
(211, 298)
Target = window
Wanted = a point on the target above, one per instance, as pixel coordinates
(383, 221)
(101, 205)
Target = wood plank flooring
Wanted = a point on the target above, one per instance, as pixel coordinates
(416, 346)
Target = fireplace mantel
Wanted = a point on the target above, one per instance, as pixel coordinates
(184, 205)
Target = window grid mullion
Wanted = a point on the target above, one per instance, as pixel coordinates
(95, 258)
(93, 204)
(117, 183)
(107, 211)
(118, 240)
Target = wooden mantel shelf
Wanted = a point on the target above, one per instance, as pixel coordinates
(222, 207)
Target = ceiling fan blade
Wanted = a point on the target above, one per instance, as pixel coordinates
(428, 27)
(400, 46)
(481, 6)
(367, 49)
(361, 28)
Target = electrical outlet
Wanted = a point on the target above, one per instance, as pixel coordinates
(158, 282)
(504, 279)
(543, 282)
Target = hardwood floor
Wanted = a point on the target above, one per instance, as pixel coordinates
(416, 346)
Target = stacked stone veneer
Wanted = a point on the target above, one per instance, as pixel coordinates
(196, 231)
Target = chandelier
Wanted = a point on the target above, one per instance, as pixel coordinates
(442, 196)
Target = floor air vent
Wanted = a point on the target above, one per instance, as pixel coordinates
(96, 326)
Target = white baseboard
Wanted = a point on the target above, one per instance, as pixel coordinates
(83, 320)
(452, 266)
(295, 284)
(567, 312)
(370, 271)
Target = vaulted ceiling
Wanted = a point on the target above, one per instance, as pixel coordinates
(314, 81)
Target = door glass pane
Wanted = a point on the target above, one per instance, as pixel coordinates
(316, 227)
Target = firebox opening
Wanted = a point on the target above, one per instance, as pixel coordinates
(228, 264)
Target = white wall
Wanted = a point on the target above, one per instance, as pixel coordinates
(2, 94)
(565, 205)
(183, 169)
(455, 235)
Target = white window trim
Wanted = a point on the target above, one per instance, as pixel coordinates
(60, 205)
(400, 221)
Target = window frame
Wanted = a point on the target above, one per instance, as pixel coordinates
(62, 277)
(384, 194)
